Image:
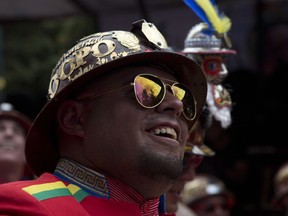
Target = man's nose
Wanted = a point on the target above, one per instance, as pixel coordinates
(171, 104)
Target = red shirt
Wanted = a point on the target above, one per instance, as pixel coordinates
(74, 190)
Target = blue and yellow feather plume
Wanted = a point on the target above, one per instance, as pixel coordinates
(207, 11)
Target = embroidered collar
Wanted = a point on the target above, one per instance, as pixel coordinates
(104, 186)
(92, 181)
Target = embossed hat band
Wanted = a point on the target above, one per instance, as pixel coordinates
(102, 48)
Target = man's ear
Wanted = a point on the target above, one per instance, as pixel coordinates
(70, 119)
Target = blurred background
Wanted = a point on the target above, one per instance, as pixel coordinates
(35, 33)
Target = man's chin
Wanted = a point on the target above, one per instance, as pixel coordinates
(160, 167)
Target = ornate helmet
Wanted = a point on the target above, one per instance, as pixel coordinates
(204, 186)
(200, 40)
(7, 111)
(93, 56)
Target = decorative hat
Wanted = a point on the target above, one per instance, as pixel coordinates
(203, 186)
(200, 41)
(92, 57)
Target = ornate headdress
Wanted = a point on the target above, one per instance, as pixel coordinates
(206, 39)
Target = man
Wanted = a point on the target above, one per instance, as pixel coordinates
(13, 129)
(111, 138)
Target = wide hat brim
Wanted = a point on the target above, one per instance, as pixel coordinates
(41, 150)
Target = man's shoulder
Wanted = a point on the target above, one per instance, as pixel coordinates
(19, 185)
(46, 195)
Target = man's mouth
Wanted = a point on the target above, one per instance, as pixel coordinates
(165, 132)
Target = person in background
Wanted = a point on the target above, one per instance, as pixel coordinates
(280, 198)
(195, 151)
(207, 195)
(14, 127)
(111, 138)
(208, 44)
(212, 60)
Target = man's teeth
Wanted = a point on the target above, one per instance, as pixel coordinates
(166, 130)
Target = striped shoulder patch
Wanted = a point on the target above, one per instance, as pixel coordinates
(47, 190)
(78, 193)
(55, 189)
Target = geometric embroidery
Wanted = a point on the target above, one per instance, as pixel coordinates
(83, 177)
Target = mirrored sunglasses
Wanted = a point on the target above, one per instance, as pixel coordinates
(150, 91)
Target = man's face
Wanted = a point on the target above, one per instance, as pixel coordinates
(12, 143)
(122, 138)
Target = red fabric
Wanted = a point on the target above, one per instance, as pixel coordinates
(120, 191)
(104, 207)
(15, 201)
